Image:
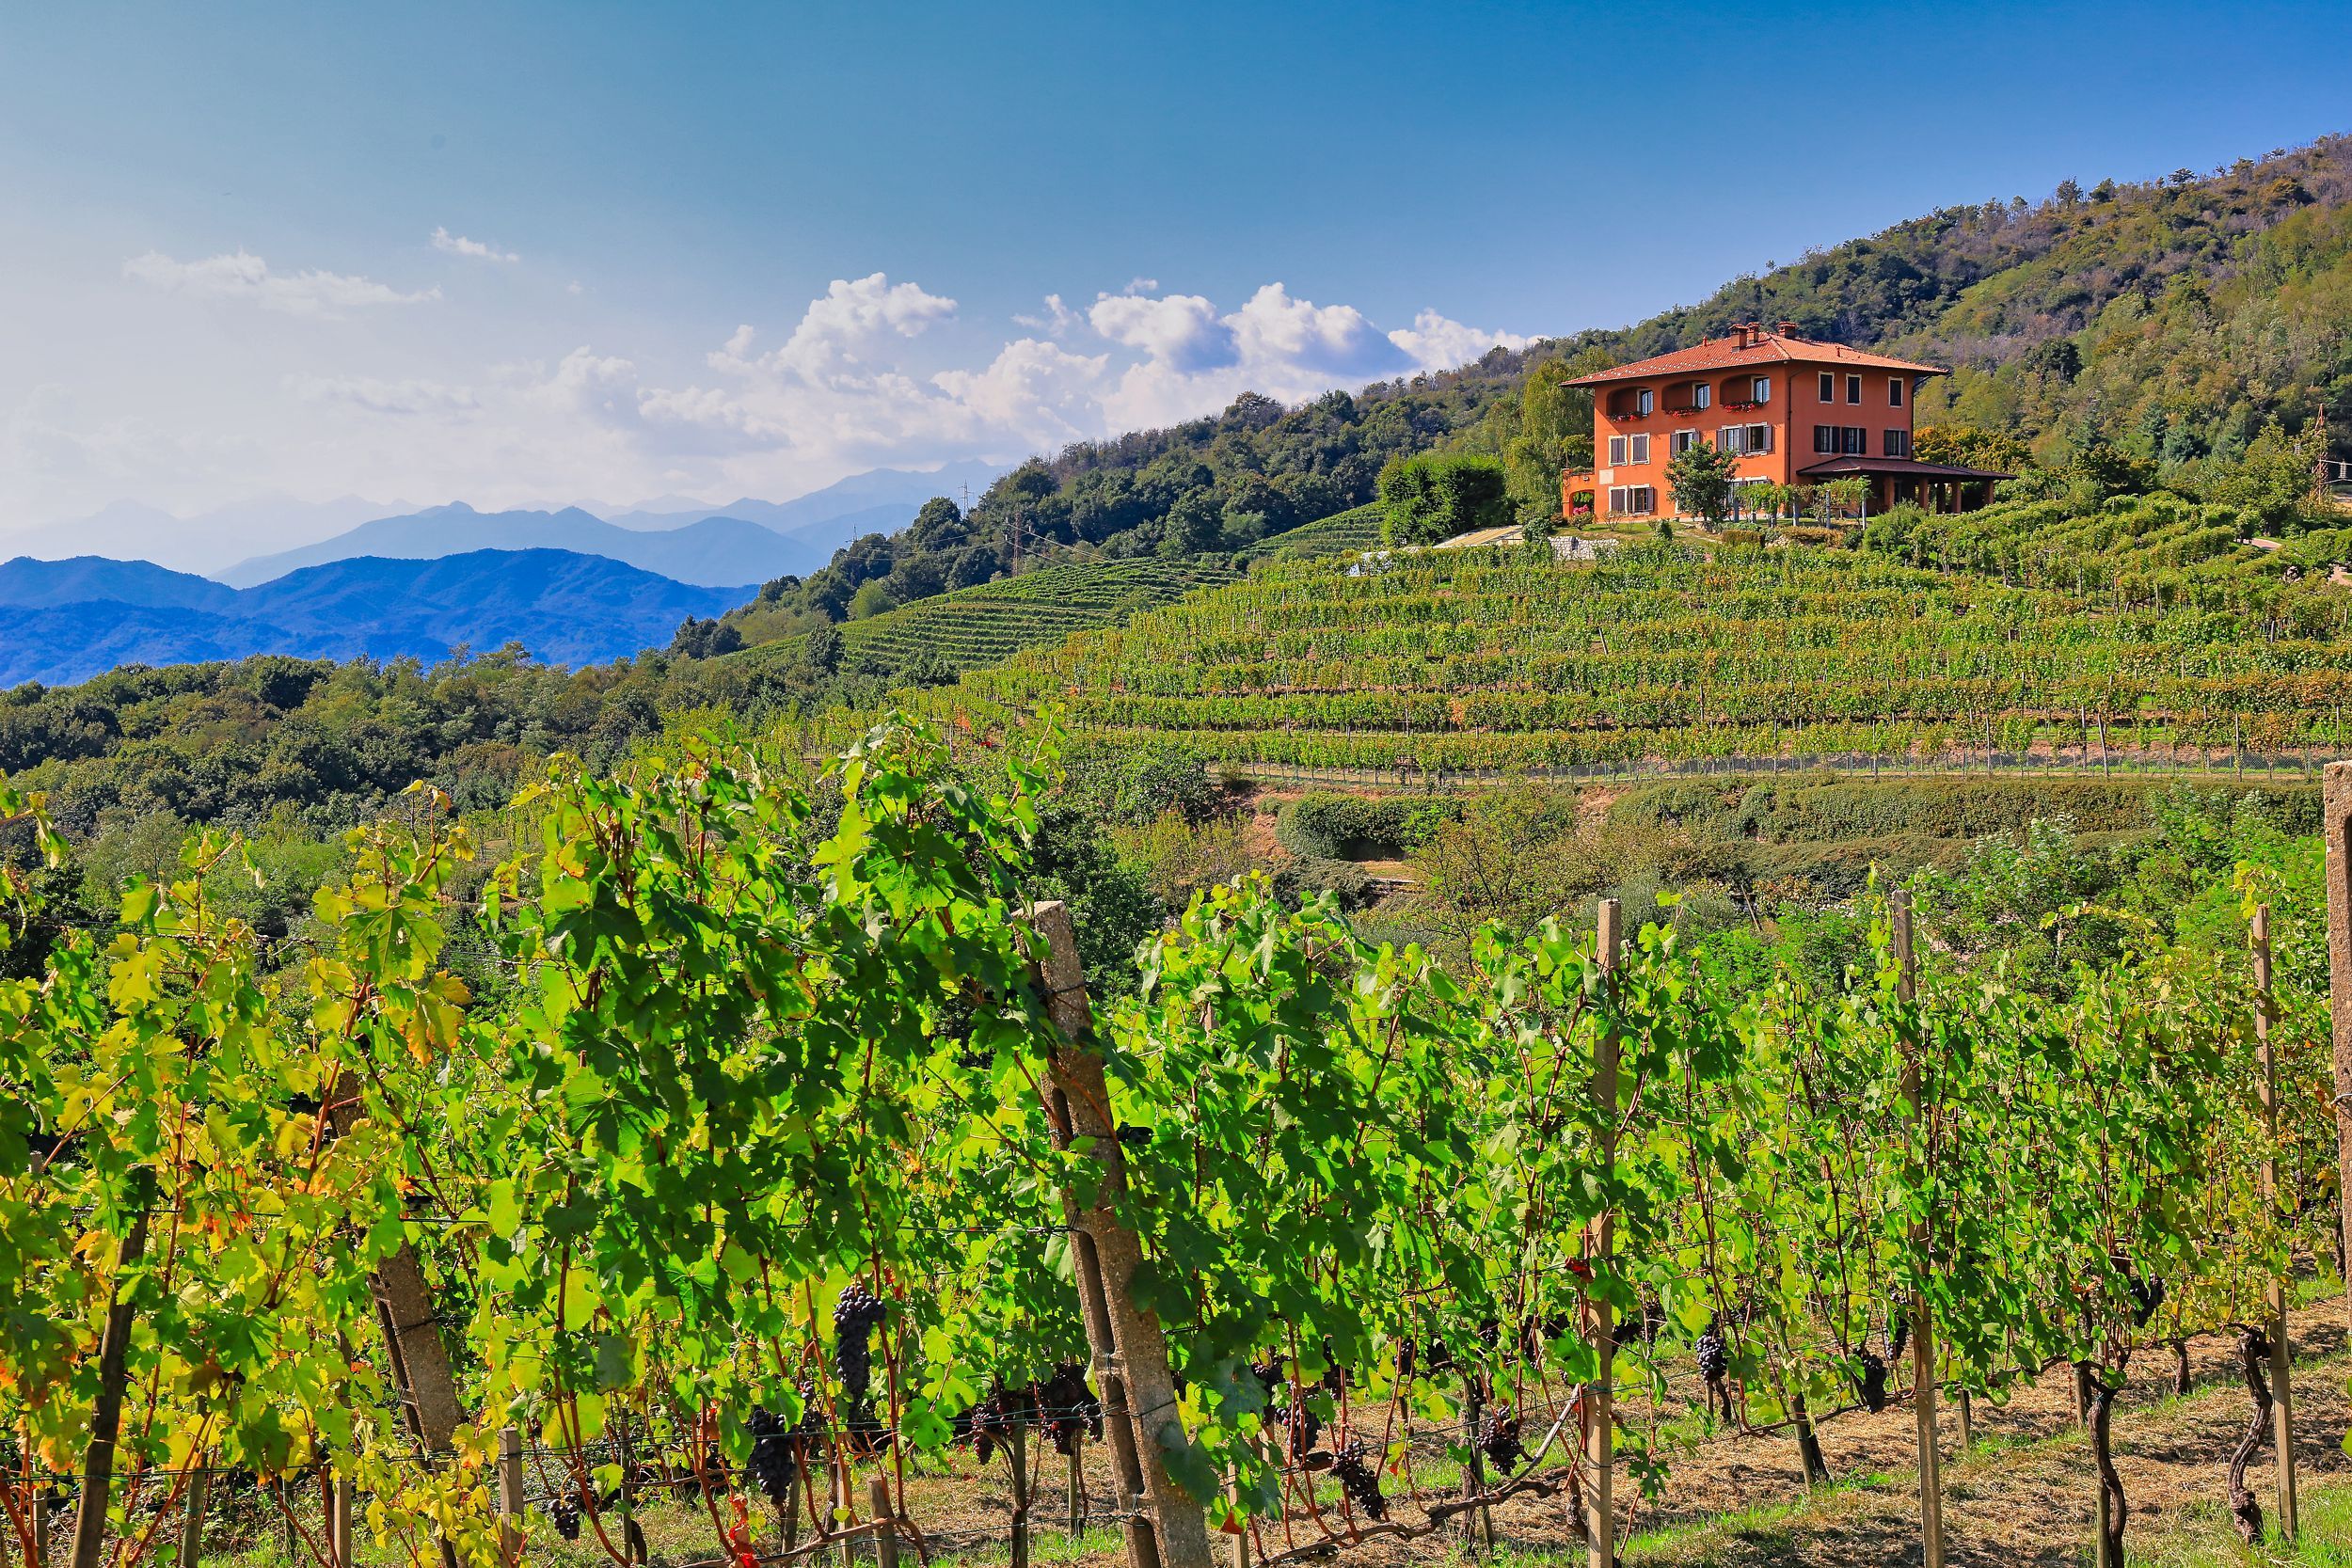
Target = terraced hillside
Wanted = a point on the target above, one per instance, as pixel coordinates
(980, 626)
(1355, 528)
(1480, 660)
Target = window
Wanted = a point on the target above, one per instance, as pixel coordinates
(1632, 499)
(1680, 442)
(1616, 451)
(1899, 443)
(1643, 402)
(1760, 389)
(1744, 439)
(1894, 392)
(1702, 396)
(1853, 388)
(1841, 440)
(1637, 447)
(1829, 387)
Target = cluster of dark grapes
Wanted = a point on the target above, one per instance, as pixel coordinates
(1499, 1440)
(777, 1451)
(1360, 1481)
(1294, 1418)
(565, 1512)
(1897, 1332)
(1873, 1383)
(1714, 1355)
(855, 1317)
(1072, 1413)
(989, 1425)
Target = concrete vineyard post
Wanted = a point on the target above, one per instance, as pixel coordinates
(2282, 1383)
(1922, 1325)
(1600, 1405)
(2336, 825)
(1167, 1527)
(411, 1324)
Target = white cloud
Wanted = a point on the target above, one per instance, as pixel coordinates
(245, 278)
(1181, 331)
(483, 403)
(852, 321)
(1435, 343)
(383, 397)
(1058, 320)
(1332, 339)
(457, 244)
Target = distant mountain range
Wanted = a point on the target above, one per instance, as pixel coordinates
(713, 552)
(70, 620)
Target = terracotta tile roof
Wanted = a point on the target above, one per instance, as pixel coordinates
(1765, 348)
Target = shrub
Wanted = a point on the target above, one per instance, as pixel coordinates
(1429, 499)
(1327, 825)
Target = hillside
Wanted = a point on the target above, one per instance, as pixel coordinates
(1487, 661)
(713, 552)
(934, 639)
(563, 607)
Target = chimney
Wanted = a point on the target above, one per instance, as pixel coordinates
(1786, 330)
(1747, 334)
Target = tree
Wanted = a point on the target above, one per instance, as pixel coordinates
(822, 651)
(2068, 194)
(870, 599)
(1429, 499)
(1700, 477)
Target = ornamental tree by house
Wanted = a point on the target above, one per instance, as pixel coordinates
(1701, 477)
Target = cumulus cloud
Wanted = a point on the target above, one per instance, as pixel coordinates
(248, 278)
(838, 332)
(457, 244)
(1435, 343)
(1181, 331)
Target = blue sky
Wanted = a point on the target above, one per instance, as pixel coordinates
(219, 223)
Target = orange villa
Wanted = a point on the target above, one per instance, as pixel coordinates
(1792, 410)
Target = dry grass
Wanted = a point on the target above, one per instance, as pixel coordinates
(2023, 1496)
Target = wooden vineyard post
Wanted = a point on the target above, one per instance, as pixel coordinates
(885, 1522)
(1922, 1325)
(2282, 1385)
(339, 1542)
(194, 1504)
(1017, 1448)
(1077, 1484)
(1165, 1528)
(511, 1493)
(114, 1349)
(2336, 826)
(1600, 1404)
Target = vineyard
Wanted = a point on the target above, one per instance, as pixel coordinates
(976, 627)
(1467, 661)
(781, 1155)
(1357, 529)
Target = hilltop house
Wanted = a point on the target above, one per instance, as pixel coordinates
(1794, 411)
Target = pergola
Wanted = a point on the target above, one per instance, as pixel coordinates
(1937, 486)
